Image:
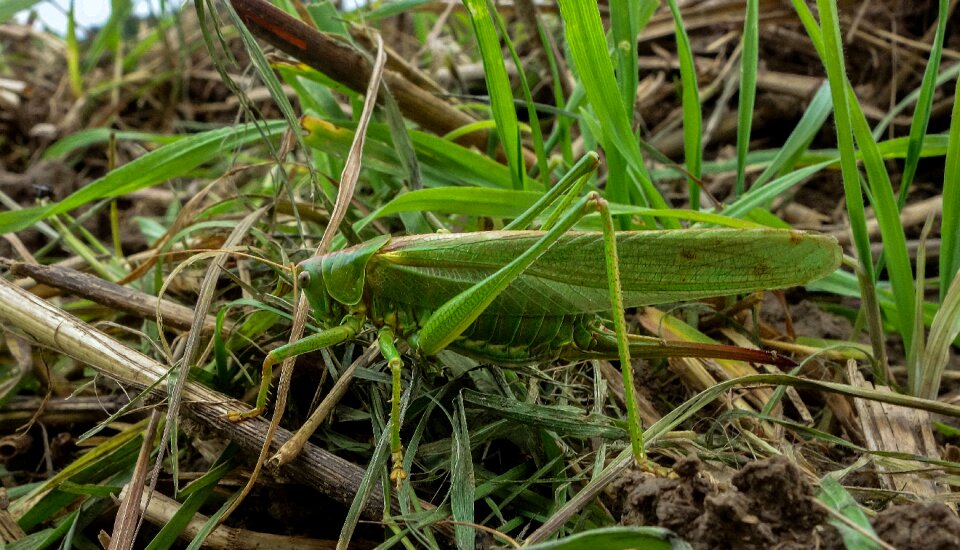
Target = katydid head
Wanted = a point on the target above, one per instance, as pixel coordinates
(310, 280)
(334, 282)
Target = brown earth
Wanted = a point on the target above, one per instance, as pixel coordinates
(767, 504)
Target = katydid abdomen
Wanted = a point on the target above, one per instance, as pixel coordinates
(656, 267)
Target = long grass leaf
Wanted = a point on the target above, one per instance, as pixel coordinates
(616, 538)
(749, 58)
(828, 46)
(623, 29)
(571, 422)
(94, 136)
(374, 472)
(921, 115)
(112, 455)
(758, 196)
(690, 105)
(277, 94)
(950, 221)
(943, 331)
(836, 75)
(442, 162)
(891, 230)
(201, 489)
(948, 74)
(169, 161)
(799, 139)
(588, 47)
(534, 125)
(462, 484)
(45, 538)
(498, 87)
(466, 201)
(108, 37)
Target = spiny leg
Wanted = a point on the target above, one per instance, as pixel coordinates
(292, 447)
(620, 328)
(386, 338)
(323, 339)
(568, 188)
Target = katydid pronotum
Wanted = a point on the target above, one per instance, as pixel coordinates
(518, 297)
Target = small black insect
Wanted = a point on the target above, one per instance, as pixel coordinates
(42, 191)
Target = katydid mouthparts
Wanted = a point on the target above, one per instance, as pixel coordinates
(521, 297)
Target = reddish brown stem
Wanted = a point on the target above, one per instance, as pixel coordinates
(349, 67)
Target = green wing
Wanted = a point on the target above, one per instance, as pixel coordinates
(656, 267)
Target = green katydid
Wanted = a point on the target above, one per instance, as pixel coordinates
(520, 297)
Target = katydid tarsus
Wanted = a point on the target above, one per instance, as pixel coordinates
(519, 297)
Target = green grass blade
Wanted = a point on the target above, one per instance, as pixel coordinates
(624, 34)
(749, 59)
(277, 94)
(843, 283)
(948, 74)
(498, 87)
(617, 538)
(262, 67)
(466, 201)
(384, 10)
(169, 161)
(836, 74)
(535, 129)
(73, 53)
(921, 116)
(839, 499)
(94, 136)
(374, 472)
(588, 47)
(200, 491)
(108, 37)
(950, 221)
(810, 25)
(45, 538)
(758, 196)
(624, 30)
(570, 421)
(9, 8)
(828, 46)
(462, 484)
(943, 331)
(690, 104)
(442, 162)
(891, 230)
(112, 455)
(799, 140)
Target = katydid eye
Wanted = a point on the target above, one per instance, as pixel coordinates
(304, 279)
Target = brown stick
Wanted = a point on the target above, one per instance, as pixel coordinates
(347, 66)
(112, 295)
(77, 409)
(54, 328)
